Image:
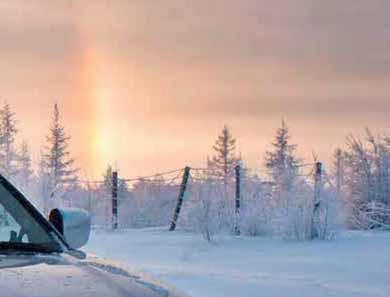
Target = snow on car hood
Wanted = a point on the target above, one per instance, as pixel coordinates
(62, 275)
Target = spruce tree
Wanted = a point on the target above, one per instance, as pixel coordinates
(58, 166)
(8, 131)
(281, 161)
(25, 171)
(225, 159)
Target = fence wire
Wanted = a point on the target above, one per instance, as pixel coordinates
(149, 201)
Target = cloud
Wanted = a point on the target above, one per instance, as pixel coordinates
(223, 59)
(330, 40)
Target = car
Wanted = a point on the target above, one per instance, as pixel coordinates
(40, 257)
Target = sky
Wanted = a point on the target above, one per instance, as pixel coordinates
(147, 85)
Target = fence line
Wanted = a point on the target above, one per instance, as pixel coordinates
(150, 200)
(152, 176)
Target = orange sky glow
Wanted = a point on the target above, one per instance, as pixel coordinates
(147, 85)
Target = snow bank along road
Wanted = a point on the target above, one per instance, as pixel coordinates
(357, 264)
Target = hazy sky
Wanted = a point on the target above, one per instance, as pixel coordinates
(148, 84)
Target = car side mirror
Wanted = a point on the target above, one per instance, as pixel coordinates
(73, 223)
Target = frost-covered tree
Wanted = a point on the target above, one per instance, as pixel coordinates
(107, 180)
(225, 159)
(338, 171)
(102, 207)
(24, 167)
(281, 162)
(8, 131)
(367, 178)
(220, 168)
(57, 166)
(292, 198)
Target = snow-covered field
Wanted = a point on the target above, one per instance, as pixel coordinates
(356, 264)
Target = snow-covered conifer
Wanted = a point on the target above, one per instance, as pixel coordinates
(24, 167)
(57, 167)
(225, 159)
(281, 162)
(8, 131)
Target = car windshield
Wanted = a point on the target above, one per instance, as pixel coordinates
(21, 226)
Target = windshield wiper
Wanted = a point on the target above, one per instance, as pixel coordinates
(21, 247)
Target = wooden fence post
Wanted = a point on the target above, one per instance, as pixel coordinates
(238, 200)
(114, 200)
(317, 196)
(180, 198)
(317, 184)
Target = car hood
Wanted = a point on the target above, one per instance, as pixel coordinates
(63, 275)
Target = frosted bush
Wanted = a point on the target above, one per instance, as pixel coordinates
(298, 218)
(205, 210)
(256, 215)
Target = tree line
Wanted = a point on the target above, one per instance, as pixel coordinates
(355, 190)
(56, 172)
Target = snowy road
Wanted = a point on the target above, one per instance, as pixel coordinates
(355, 265)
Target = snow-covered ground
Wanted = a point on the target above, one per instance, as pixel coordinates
(356, 264)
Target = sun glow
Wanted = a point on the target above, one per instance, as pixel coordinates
(102, 132)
